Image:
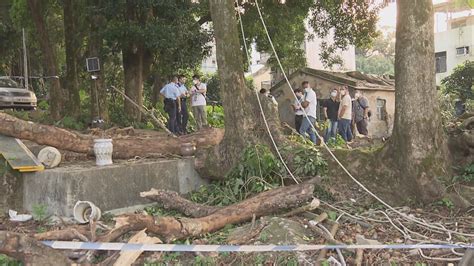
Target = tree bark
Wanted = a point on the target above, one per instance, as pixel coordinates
(72, 46)
(157, 85)
(124, 147)
(29, 251)
(171, 200)
(133, 55)
(98, 92)
(49, 59)
(417, 147)
(244, 124)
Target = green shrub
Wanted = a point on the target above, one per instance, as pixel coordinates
(467, 175)
(215, 116)
(43, 105)
(72, 123)
(258, 170)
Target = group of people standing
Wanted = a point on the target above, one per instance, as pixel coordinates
(176, 95)
(341, 112)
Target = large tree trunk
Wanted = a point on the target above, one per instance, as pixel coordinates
(417, 147)
(98, 92)
(243, 122)
(157, 85)
(133, 55)
(124, 147)
(72, 45)
(49, 59)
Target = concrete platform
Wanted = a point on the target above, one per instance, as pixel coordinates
(109, 187)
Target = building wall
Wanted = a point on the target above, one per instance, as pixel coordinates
(377, 127)
(451, 39)
(262, 75)
(313, 60)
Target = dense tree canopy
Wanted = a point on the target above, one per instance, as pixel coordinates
(140, 43)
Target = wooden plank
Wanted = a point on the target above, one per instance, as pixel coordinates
(18, 156)
(129, 257)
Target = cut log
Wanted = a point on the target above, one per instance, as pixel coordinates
(30, 251)
(124, 147)
(171, 228)
(171, 200)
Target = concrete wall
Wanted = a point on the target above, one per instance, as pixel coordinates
(11, 187)
(322, 87)
(263, 74)
(111, 187)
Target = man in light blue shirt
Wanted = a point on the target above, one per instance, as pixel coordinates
(172, 103)
(182, 117)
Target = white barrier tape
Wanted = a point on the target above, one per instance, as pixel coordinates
(231, 248)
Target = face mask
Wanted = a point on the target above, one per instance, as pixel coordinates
(357, 95)
(195, 81)
(333, 94)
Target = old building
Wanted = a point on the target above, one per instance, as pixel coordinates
(380, 92)
(454, 37)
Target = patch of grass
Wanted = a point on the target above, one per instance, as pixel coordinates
(445, 202)
(7, 261)
(466, 176)
(156, 210)
(203, 261)
(220, 236)
(321, 193)
(39, 212)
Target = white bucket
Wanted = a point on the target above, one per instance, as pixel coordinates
(85, 211)
(103, 149)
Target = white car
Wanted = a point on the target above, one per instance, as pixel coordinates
(14, 97)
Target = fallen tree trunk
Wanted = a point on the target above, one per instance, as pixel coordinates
(171, 200)
(172, 228)
(124, 147)
(29, 251)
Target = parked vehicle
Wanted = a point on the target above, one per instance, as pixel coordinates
(12, 96)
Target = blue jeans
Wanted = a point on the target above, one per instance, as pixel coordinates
(331, 131)
(345, 129)
(307, 128)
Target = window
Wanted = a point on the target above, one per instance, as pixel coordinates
(381, 114)
(462, 50)
(440, 62)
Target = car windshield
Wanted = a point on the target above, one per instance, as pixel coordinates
(8, 83)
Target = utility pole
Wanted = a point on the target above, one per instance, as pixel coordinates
(25, 61)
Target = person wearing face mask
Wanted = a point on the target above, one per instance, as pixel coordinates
(330, 110)
(198, 102)
(298, 109)
(345, 115)
(309, 104)
(361, 113)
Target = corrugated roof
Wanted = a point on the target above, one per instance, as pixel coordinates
(354, 79)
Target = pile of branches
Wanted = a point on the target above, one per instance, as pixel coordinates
(201, 219)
